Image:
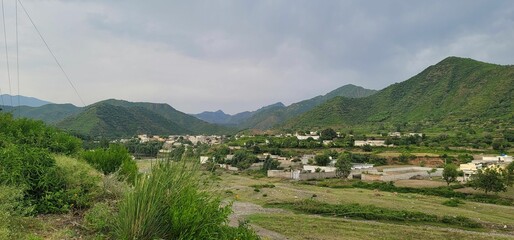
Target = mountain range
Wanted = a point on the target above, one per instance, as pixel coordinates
(12, 100)
(455, 90)
(269, 116)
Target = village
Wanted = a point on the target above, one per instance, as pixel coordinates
(303, 165)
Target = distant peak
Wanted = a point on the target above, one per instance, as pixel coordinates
(220, 111)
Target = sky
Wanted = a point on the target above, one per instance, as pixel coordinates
(240, 55)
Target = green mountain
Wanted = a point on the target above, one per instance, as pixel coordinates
(49, 113)
(270, 117)
(118, 118)
(453, 90)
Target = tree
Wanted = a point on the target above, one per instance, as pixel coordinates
(367, 148)
(343, 167)
(322, 160)
(328, 134)
(270, 164)
(489, 180)
(450, 173)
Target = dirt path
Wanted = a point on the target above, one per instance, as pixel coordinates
(243, 209)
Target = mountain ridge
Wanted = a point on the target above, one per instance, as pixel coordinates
(454, 88)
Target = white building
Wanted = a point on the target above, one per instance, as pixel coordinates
(375, 143)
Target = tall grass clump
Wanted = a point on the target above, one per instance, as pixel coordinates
(172, 203)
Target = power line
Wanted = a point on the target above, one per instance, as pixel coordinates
(7, 53)
(17, 56)
(53, 55)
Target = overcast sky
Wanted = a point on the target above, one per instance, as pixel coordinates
(242, 55)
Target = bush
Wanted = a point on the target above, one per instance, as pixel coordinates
(36, 134)
(170, 203)
(35, 171)
(115, 158)
(453, 202)
(82, 182)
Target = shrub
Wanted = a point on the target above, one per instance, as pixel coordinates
(82, 182)
(170, 203)
(453, 202)
(36, 134)
(115, 158)
(35, 171)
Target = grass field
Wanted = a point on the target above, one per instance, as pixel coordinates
(495, 218)
(299, 226)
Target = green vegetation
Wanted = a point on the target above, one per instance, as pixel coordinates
(371, 212)
(115, 158)
(450, 173)
(447, 192)
(456, 95)
(343, 168)
(304, 227)
(116, 118)
(491, 179)
(171, 204)
(269, 116)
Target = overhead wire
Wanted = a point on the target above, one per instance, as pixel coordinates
(7, 53)
(17, 55)
(51, 52)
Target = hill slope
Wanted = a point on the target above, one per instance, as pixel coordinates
(270, 117)
(455, 89)
(118, 118)
(107, 120)
(49, 113)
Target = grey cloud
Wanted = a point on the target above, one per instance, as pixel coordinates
(240, 55)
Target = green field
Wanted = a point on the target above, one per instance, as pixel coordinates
(494, 218)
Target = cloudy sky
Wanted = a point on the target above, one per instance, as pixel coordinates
(241, 55)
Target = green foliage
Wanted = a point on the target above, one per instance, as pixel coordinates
(82, 182)
(177, 154)
(11, 208)
(116, 118)
(270, 164)
(491, 179)
(343, 167)
(36, 134)
(405, 158)
(447, 192)
(170, 203)
(371, 212)
(454, 202)
(146, 149)
(450, 173)
(35, 171)
(100, 218)
(322, 160)
(364, 158)
(452, 95)
(112, 159)
(328, 134)
(243, 159)
(367, 148)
